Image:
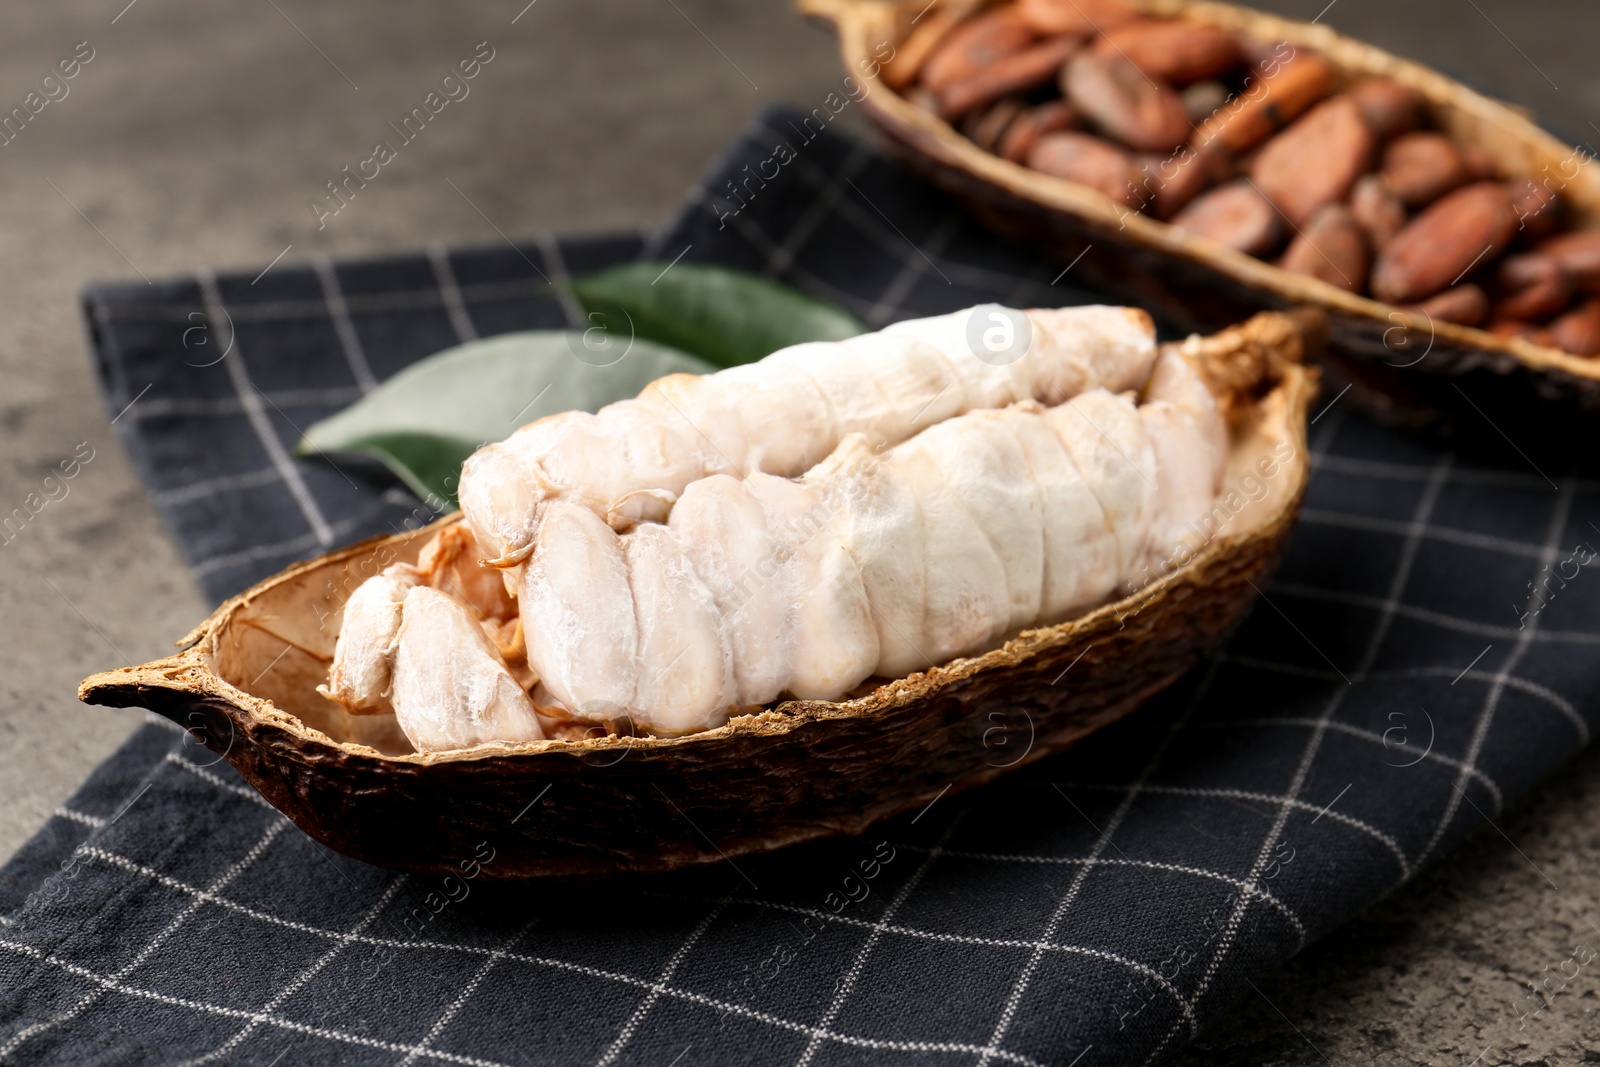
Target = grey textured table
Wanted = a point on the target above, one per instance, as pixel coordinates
(198, 134)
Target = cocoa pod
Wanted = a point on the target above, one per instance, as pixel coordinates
(1082, 17)
(1532, 286)
(922, 98)
(1468, 227)
(973, 45)
(1465, 305)
(1578, 331)
(1579, 253)
(1376, 211)
(1275, 93)
(1018, 72)
(1171, 182)
(1539, 208)
(1173, 50)
(1234, 216)
(1315, 161)
(911, 53)
(1088, 160)
(1053, 116)
(986, 126)
(1122, 101)
(1388, 107)
(1331, 248)
(1421, 167)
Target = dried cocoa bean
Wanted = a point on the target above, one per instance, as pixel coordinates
(1539, 208)
(911, 53)
(1122, 101)
(1421, 167)
(1018, 72)
(1274, 94)
(973, 45)
(1088, 160)
(1389, 108)
(1532, 286)
(986, 126)
(1234, 216)
(1465, 305)
(1480, 163)
(1171, 182)
(1082, 17)
(1579, 253)
(1315, 161)
(1468, 227)
(1203, 99)
(1376, 210)
(1331, 248)
(1578, 331)
(1053, 116)
(1173, 50)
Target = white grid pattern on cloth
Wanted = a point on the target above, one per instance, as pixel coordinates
(454, 303)
(343, 325)
(657, 987)
(555, 269)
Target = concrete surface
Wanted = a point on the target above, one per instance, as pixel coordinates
(198, 132)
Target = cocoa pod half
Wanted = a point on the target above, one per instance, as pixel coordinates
(1273, 95)
(1018, 72)
(1469, 226)
(1578, 331)
(1532, 286)
(1465, 305)
(1421, 167)
(1579, 254)
(1389, 107)
(1234, 216)
(1073, 16)
(1088, 160)
(1376, 210)
(1331, 248)
(1173, 50)
(1053, 116)
(1315, 161)
(973, 46)
(1124, 103)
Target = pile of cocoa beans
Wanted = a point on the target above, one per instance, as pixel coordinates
(1265, 149)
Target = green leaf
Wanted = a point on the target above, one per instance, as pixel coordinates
(726, 316)
(426, 420)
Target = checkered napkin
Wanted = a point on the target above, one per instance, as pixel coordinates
(1398, 685)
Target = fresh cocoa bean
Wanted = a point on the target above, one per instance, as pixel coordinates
(1315, 161)
(985, 126)
(1234, 216)
(1579, 253)
(1389, 108)
(1082, 17)
(1088, 160)
(1203, 99)
(1331, 248)
(1578, 331)
(1053, 116)
(973, 45)
(1018, 72)
(1421, 167)
(1172, 181)
(1122, 101)
(1466, 228)
(1465, 305)
(1376, 210)
(1173, 50)
(1274, 94)
(1539, 208)
(1532, 286)
(911, 53)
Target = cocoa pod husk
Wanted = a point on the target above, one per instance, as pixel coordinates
(1578, 331)
(1465, 305)
(1019, 72)
(1389, 108)
(1466, 228)
(1088, 160)
(1275, 95)
(1083, 17)
(1421, 167)
(1052, 116)
(972, 46)
(1579, 254)
(1173, 50)
(1531, 286)
(1378, 212)
(1331, 248)
(1527, 331)
(1235, 216)
(1316, 161)
(1124, 103)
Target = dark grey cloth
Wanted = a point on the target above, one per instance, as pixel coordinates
(1397, 685)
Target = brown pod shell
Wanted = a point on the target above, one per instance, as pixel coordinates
(1579, 254)
(795, 771)
(1465, 305)
(1088, 160)
(972, 46)
(1467, 228)
(1389, 107)
(1376, 210)
(1532, 286)
(1052, 116)
(1578, 331)
(1124, 103)
(1419, 168)
(1331, 248)
(1018, 72)
(1316, 160)
(1275, 95)
(1522, 331)
(1082, 17)
(1173, 50)
(913, 51)
(986, 126)
(1235, 216)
